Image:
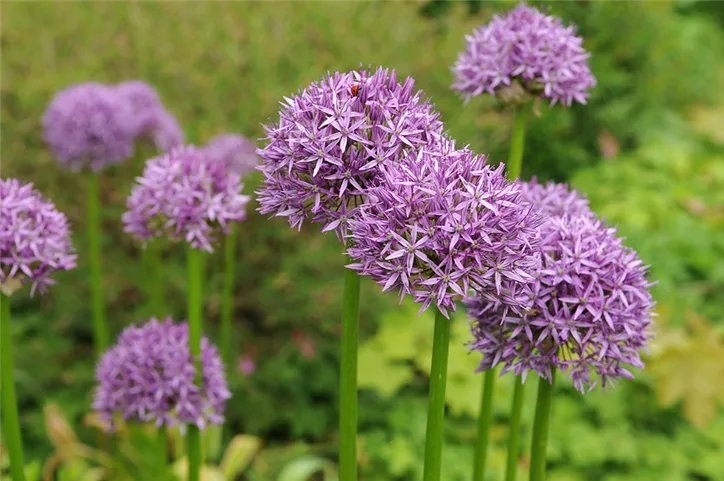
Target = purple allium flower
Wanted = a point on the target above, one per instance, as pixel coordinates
(523, 53)
(587, 313)
(554, 199)
(150, 118)
(331, 138)
(149, 376)
(442, 223)
(34, 238)
(234, 151)
(87, 126)
(184, 194)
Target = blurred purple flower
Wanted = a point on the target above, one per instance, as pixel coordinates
(184, 194)
(148, 376)
(149, 117)
(331, 138)
(554, 199)
(234, 151)
(441, 223)
(34, 238)
(588, 309)
(247, 366)
(87, 126)
(524, 53)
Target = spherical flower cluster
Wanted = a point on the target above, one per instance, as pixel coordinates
(524, 53)
(149, 117)
(87, 126)
(331, 138)
(441, 223)
(149, 376)
(184, 194)
(234, 151)
(34, 238)
(554, 199)
(587, 313)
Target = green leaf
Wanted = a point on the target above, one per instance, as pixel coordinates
(238, 455)
(303, 468)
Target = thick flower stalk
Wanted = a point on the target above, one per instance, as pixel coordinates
(331, 139)
(149, 376)
(87, 126)
(34, 244)
(524, 54)
(234, 151)
(587, 314)
(148, 116)
(442, 223)
(185, 195)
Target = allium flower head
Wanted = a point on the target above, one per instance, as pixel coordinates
(441, 223)
(587, 313)
(554, 199)
(34, 238)
(149, 376)
(524, 53)
(234, 151)
(331, 138)
(149, 117)
(87, 126)
(187, 196)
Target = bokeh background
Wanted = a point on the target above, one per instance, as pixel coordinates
(648, 150)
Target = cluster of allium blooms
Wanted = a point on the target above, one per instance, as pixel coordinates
(331, 138)
(441, 223)
(587, 313)
(524, 53)
(149, 376)
(184, 194)
(554, 199)
(87, 126)
(34, 238)
(234, 151)
(149, 117)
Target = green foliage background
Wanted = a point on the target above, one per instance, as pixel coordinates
(648, 150)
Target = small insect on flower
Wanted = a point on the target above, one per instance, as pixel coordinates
(354, 90)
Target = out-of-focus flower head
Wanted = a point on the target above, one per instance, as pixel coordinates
(234, 151)
(185, 195)
(331, 139)
(588, 309)
(87, 126)
(524, 54)
(149, 376)
(149, 117)
(34, 238)
(443, 222)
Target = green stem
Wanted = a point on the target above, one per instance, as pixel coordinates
(485, 421)
(193, 435)
(151, 256)
(100, 329)
(436, 408)
(348, 377)
(228, 295)
(11, 425)
(511, 467)
(162, 450)
(540, 429)
(517, 143)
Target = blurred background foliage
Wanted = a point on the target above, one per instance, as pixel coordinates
(648, 150)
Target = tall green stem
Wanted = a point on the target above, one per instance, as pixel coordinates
(436, 408)
(485, 420)
(100, 329)
(517, 142)
(151, 257)
(511, 466)
(11, 425)
(228, 293)
(348, 377)
(162, 450)
(540, 429)
(195, 269)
